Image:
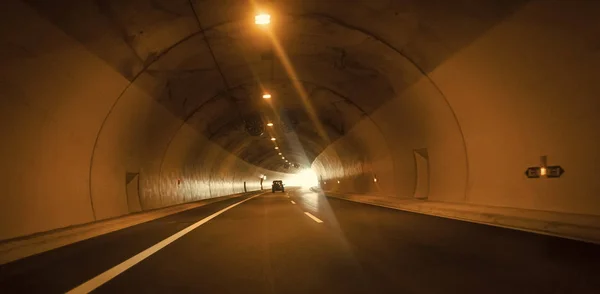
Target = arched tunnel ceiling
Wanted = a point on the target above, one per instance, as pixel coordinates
(208, 63)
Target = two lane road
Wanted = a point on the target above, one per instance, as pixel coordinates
(303, 242)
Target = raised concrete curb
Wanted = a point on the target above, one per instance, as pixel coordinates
(572, 226)
(14, 249)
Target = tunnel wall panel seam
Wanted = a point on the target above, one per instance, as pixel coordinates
(46, 82)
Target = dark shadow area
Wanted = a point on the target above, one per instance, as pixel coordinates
(463, 257)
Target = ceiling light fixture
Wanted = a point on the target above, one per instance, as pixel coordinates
(273, 139)
(262, 19)
(266, 96)
(276, 147)
(270, 124)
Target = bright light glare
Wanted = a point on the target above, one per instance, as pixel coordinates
(276, 147)
(270, 124)
(267, 96)
(306, 178)
(262, 19)
(298, 85)
(273, 139)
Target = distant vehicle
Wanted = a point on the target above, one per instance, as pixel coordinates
(277, 186)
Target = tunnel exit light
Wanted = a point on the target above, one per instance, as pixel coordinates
(305, 178)
(262, 19)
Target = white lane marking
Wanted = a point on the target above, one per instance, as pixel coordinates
(313, 217)
(125, 265)
(293, 202)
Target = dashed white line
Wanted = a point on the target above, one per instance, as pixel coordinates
(293, 202)
(108, 275)
(313, 217)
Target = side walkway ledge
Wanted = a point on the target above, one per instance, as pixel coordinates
(14, 249)
(572, 226)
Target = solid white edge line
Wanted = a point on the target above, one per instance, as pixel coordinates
(108, 275)
(313, 217)
(293, 202)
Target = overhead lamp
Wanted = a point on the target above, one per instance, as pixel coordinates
(338, 182)
(270, 124)
(286, 160)
(262, 19)
(280, 153)
(282, 157)
(273, 139)
(276, 147)
(267, 96)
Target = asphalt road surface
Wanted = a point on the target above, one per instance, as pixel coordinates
(303, 242)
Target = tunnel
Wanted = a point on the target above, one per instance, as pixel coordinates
(478, 118)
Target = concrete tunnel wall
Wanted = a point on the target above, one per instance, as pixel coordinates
(72, 128)
(78, 115)
(526, 88)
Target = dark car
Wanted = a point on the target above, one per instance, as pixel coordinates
(277, 186)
